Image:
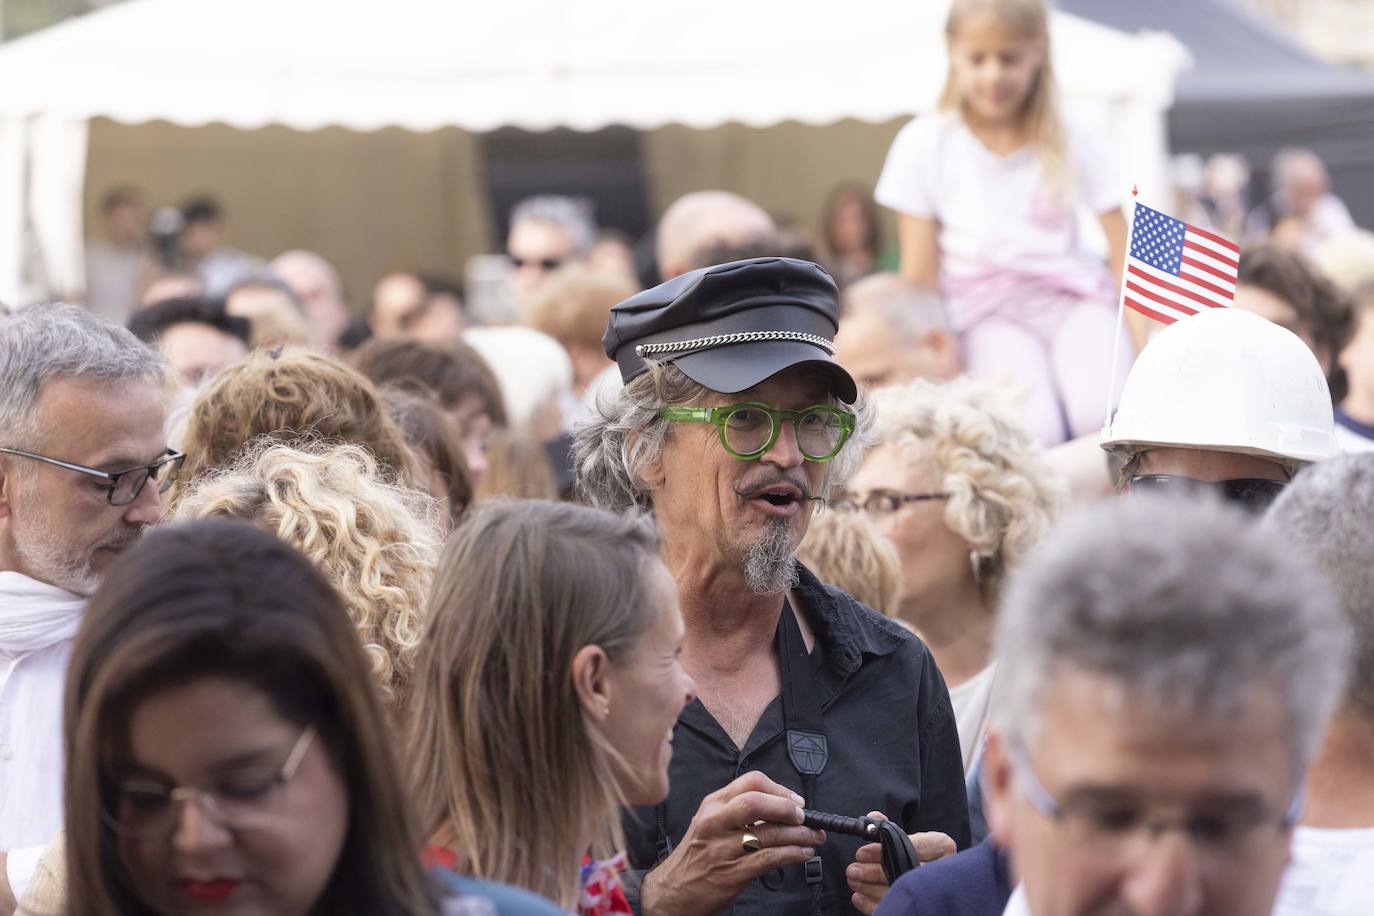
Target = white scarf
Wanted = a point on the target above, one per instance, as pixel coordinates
(35, 615)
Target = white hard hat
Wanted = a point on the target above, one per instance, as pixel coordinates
(1226, 380)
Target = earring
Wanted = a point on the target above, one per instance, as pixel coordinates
(975, 562)
(606, 710)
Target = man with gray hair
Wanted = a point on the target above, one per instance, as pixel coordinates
(1166, 671)
(1326, 514)
(82, 462)
(547, 232)
(734, 422)
(893, 331)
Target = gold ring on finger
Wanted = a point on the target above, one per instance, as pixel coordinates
(750, 841)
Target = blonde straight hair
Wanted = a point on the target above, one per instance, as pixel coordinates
(507, 771)
(1029, 19)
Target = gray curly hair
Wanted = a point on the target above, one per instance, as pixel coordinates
(626, 435)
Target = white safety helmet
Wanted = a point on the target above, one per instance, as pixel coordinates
(1226, 380)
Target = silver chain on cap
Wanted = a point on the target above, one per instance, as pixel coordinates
(721, 340)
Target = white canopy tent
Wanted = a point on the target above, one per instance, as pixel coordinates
(534, 64)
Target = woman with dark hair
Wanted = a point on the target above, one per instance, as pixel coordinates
(1283, 286)
(458, 376)
(853, 235)
(225, 748)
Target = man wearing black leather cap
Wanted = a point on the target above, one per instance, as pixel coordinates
(734, 424)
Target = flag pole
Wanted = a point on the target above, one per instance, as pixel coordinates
(1120, 313)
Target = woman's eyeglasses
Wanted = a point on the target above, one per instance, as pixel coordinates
(242, 800)
(123, 486)
(881, 502)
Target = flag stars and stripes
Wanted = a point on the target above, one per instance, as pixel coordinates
(1175, 269)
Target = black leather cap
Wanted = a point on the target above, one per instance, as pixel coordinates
(731, 326)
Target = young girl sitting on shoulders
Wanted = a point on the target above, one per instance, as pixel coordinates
(987, 193)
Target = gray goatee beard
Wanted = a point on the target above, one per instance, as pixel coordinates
(769, 564)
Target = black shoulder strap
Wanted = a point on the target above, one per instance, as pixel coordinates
(801, 712)
(806, 745)
(801, 717)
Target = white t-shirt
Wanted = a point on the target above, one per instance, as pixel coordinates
(972, 702)
(999, 216)
(1017, 905)
(1332, 874)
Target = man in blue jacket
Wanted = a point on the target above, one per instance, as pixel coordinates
(1166, 672)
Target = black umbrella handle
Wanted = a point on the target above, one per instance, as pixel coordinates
(899, 856)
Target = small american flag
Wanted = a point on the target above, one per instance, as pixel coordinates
(1176, 270)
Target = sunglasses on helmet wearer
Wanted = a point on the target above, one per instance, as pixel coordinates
(1252, 493)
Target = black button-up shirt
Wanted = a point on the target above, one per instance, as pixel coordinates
(892, 742)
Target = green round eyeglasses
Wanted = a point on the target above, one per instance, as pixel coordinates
(748, 430)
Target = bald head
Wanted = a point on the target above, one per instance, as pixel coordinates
(396, 298)
(706, 219)
(893, 332)
(316, 283)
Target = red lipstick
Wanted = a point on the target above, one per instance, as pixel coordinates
(209, 891)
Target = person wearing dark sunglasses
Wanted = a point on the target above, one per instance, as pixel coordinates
(1224, 402)
(83, 461)
(546, 233)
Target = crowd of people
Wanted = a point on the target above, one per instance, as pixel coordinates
(728, 571)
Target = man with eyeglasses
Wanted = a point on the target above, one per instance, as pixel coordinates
(1166, 671)
(82, 462)
(734, 422)
(1223, 402)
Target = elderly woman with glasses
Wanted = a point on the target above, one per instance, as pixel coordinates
(960, 488)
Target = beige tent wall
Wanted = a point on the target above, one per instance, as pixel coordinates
(371, 202)
(789, 169)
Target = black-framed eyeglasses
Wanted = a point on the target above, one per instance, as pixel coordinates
(748, 430)
(123, 486)
(239, 801)
(1110, 827)
(545, 264)
(881, 502)
(1253, 493)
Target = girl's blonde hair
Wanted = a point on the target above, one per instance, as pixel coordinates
(507, 771)
(1029, 19)
(375, 541)
(1003, 496)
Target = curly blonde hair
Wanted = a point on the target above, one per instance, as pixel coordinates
(289, 394)
(848, 550)
(375, 541)
(1003, 496)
